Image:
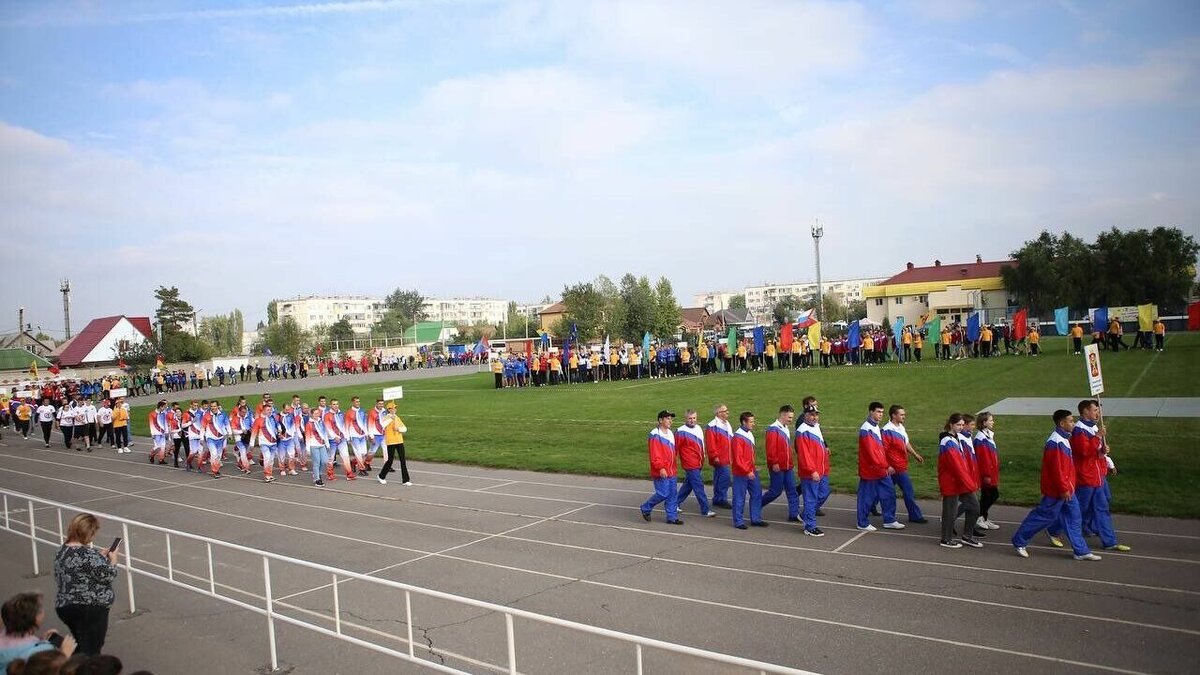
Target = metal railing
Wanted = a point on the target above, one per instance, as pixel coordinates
(211, 587)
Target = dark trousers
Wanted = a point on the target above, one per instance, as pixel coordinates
(179, 446)
(88, 625)
(122, 436)
(23, 428)
(106, 433)
(1078, 344)
(395, 451)
(68, 434)
(950, 511)
(987, 496)
(499, 380)
(47, 427)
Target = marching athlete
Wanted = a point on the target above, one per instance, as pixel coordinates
(718, 437)
(160, 429)
(689, 445)
(356, 433)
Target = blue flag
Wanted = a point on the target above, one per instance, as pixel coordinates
(855, 338)
(760, 343)
(973, 327)
(897, 338)
(267, 351)
(1060, 321)
(1100, 320)
(646, 347)
(574, 337)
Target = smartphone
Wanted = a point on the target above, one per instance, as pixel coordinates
(115, 544)
(55, 639)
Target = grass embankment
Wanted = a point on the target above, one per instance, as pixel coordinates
(600, 429)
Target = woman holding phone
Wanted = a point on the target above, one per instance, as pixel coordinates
(84, 576)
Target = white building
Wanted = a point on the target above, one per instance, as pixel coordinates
(761, 300)
(466, 310)
(714, 301)
(312, 311)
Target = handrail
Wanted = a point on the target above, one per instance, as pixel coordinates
(10, 525)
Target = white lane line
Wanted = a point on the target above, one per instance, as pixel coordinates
(1146, 369)
(658, 533)
(617, 587)
(505, 483)
(849, 541)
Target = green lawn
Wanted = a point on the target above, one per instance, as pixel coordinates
(600, 429)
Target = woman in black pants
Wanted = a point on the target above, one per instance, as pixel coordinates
(84, 577)
(393, 432)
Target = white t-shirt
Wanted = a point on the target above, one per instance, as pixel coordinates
(66, 417)
(104, 415)
(80, 415)
(90, 413)
(45, 413)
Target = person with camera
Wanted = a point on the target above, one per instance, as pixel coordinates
(84, 576)
(23, 616)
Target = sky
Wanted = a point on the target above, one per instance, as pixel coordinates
(250, 151)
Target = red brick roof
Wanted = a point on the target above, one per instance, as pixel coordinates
(556, 308)
(949, 272)
(79, 346)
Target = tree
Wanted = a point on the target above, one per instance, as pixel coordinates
(856, 309)
(272, 311)
(832, 307)
(284, 338)
(738, 301)
(402, 309)
(223, 332)
(173, 312)
(518, 322)
(341, 331)
(638, 307)
(585, 308)
(667, 315)
(1032, 281)
(786, 308)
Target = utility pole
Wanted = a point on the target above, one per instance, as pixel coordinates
(65, 289)
(20, 319)
(817, 233)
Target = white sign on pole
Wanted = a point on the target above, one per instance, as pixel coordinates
(117, 393)
(28, 393)
(393, 393)
(1091, 361)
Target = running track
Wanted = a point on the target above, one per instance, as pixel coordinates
(576, 548)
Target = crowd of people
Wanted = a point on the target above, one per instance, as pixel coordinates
(1075, 466)
(83, 576)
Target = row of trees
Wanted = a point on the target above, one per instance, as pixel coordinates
(627, 309)
(1118, 268)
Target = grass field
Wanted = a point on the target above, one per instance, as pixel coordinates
(601, 428)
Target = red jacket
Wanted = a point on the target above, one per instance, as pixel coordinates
(779, 450)
(1087, 451)
(689, 445)
(988, 459)
(1058, 469)
(743, 453)
(661, 445)
(954, 476)
(717, 442)
(872, 462)
(812, 455)
(968, 447)
(895, 446)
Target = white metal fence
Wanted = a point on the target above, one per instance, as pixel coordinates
(20, 517)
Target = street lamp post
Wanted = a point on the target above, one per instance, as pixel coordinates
(817, 233)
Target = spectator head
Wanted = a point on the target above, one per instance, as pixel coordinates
(22, 613)
(83, 529)
(100, 664)
(45, 662)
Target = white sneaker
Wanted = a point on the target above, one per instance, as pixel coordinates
(1022, 552)
(292, 472)
(894, 525)
(991, 525)
(1087, 556)
(381, 481)
(408, 482)
(711, 514)
(871, 528)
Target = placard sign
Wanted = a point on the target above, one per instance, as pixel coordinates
(393, 393)
(27, 393)
(117, 393)
(1091, 361)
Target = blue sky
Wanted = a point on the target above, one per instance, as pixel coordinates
(250, 151)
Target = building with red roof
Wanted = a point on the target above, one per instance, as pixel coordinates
(102, 339)
(951, 290)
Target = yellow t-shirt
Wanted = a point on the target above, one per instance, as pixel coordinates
(574, 361)
(391, 433)
(1159, 328)
(741, 351)
(907, 338)
(120, 417)
(826, 346)
(497, 366)
(685, 356)
(1076, 331)
(945, 337)
(1034, 336)
(868, 343)
(24, 412)
(702, 351)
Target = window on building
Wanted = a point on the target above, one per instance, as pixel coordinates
(924, 299)
(899, 301)
(879, 302)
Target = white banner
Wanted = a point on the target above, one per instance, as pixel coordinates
(1128, 314)
(1091, 361)
(28, 393)
(393, 393)
(115, 393)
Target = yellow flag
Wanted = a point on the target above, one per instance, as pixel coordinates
(33, 369)
(814, 335)
(1146, 316)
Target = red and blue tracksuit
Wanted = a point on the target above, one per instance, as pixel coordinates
(1091, 489)
(812, 456)
(718, 437)
(661, 445)
(1058, 479)
(689, 445)
(895, 447)
(746, 485)
(783, 481)
(874, 483)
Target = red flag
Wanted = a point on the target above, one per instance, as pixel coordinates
(529, 351)
(54, 369)
(318, 350)
(785, 337)
(121, 364)
(1020, 324)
